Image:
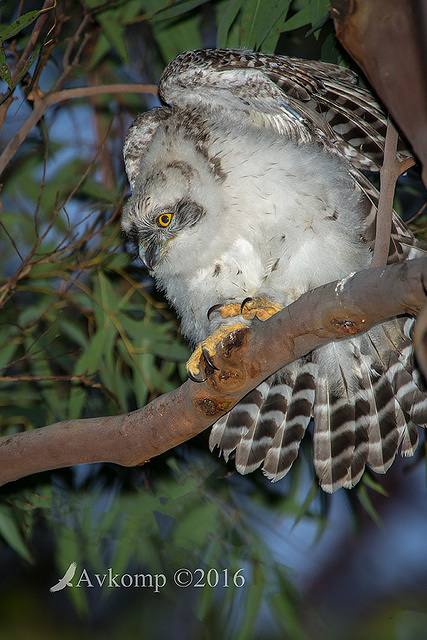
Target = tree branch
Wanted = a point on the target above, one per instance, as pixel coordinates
(245, 358)
(390, 172)
(41, 106)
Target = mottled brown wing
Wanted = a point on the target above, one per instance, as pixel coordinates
(313, 99)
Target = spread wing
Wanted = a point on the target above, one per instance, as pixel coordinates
(303, 99)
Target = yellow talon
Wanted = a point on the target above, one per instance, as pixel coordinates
(262, 308)
(249, 308)
(200, 362)
(207, 348)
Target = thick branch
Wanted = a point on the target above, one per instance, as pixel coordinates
(245, 358)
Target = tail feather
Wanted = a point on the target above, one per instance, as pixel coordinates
(297, 411)
(362, 412)
(229, 430)
(341, 417)
(334, 437)
(386, 422)
(408, 388)
(254, 444)
(361, 444)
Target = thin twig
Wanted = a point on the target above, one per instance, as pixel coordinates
(67, 55)
(44, 13)
(24, 57)
(43, 104)
(390, 171)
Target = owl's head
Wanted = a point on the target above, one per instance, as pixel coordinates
(152, 224)
(171, 175)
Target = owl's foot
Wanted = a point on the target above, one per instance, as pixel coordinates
(261, 308)
(201, 359)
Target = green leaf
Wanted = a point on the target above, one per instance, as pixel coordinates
(102, 47)
(75, 332)
(4, 69)
(298, 20)
(178, 35)
(249, 23)
(11, 30)
(319, 11)
(97, 191)
(226, 21)
(252, 604)
(373, 484)
(28, 64)
(302, 509)
(11, 533)
(24, 70)
(177, 9)
(330, 50)
(88, 362)
(259, 19)
(286, 608)
(31, 501)
(8, 348)
(68, 550)
(113, 22)
(194, 525)
(114, 32)
(362, 494)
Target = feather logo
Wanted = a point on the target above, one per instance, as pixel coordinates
(66, 580)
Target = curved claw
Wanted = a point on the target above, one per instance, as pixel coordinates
(200, 361)
(244, 303)
(194, 378)
(215, 307)
(207, 357)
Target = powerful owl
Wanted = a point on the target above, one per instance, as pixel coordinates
(248, 191)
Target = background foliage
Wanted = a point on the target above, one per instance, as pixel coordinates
(82, 333)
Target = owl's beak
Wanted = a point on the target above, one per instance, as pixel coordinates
(150, 255)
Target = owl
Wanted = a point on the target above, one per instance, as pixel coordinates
(248, 190)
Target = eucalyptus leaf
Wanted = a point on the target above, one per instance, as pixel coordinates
(258, 21)
(10, 532)
(9, 31)
(176, 9)
(4, 69)
(298, 20)
(227, 18)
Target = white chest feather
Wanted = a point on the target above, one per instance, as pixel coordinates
(284, 220)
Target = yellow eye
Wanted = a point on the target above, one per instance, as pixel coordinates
(164, 219)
